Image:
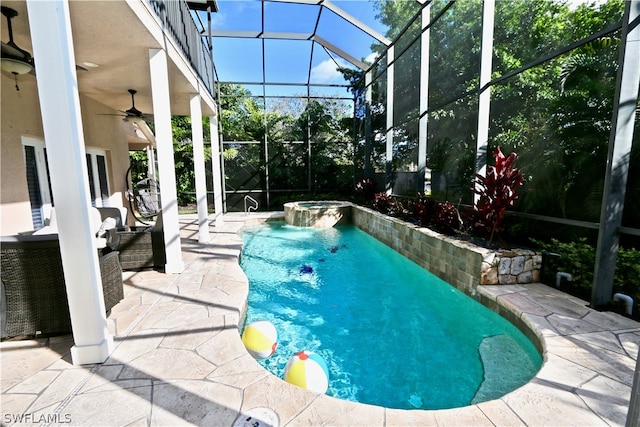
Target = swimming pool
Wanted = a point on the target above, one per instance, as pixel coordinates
(392, 334)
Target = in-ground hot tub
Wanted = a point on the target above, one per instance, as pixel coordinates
(319, 214)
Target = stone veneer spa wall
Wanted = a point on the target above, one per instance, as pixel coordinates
(460, 263)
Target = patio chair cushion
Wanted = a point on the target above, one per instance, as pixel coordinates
(98, 216)
(106, 225)
(117, 213)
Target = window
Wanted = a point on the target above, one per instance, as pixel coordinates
(98, 179)
(39, 184)
(35, 158)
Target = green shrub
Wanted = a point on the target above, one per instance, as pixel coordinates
(578, 259)
(627, 278)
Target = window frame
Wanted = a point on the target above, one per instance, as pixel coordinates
(99, 194)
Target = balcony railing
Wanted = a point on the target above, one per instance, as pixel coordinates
(177, 21)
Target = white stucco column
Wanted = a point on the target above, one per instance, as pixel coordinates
(218, 186)
(166, 163)
(198, 166)
(52, 42)
(151, 163)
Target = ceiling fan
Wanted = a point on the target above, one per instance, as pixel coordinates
(132, 113)
(14, 59)
(137, 117)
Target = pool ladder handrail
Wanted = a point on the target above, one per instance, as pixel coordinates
(254, 206)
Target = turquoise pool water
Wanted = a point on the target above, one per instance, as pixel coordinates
(392, 333)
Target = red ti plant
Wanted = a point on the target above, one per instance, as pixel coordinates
(497, 191)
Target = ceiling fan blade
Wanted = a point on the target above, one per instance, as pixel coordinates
(78, 68)
(8, 50)
(132, 114)
(11, 49)
(144, 128)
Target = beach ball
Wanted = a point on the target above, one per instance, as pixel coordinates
(260, 339)
(308, 370)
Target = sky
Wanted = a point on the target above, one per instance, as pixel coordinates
(240, 60)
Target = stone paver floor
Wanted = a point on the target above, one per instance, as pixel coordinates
(179, 360)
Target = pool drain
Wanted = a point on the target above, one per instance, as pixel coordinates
(257, 417)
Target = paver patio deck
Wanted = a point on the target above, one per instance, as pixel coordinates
(179, 360)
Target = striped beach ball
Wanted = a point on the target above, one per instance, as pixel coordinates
(260, 338)
(308, 370)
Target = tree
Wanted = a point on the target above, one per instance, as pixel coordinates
(561, 121)
(556, 115)
(183, 159)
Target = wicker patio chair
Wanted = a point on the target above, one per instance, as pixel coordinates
(139, 247)
(33, 292)
(135, 246)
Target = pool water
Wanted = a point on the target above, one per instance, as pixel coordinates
(392, 333)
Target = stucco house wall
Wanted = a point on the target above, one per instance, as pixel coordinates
(20, 117)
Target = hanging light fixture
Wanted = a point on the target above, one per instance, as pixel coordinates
(14, 60)
(16, 66)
